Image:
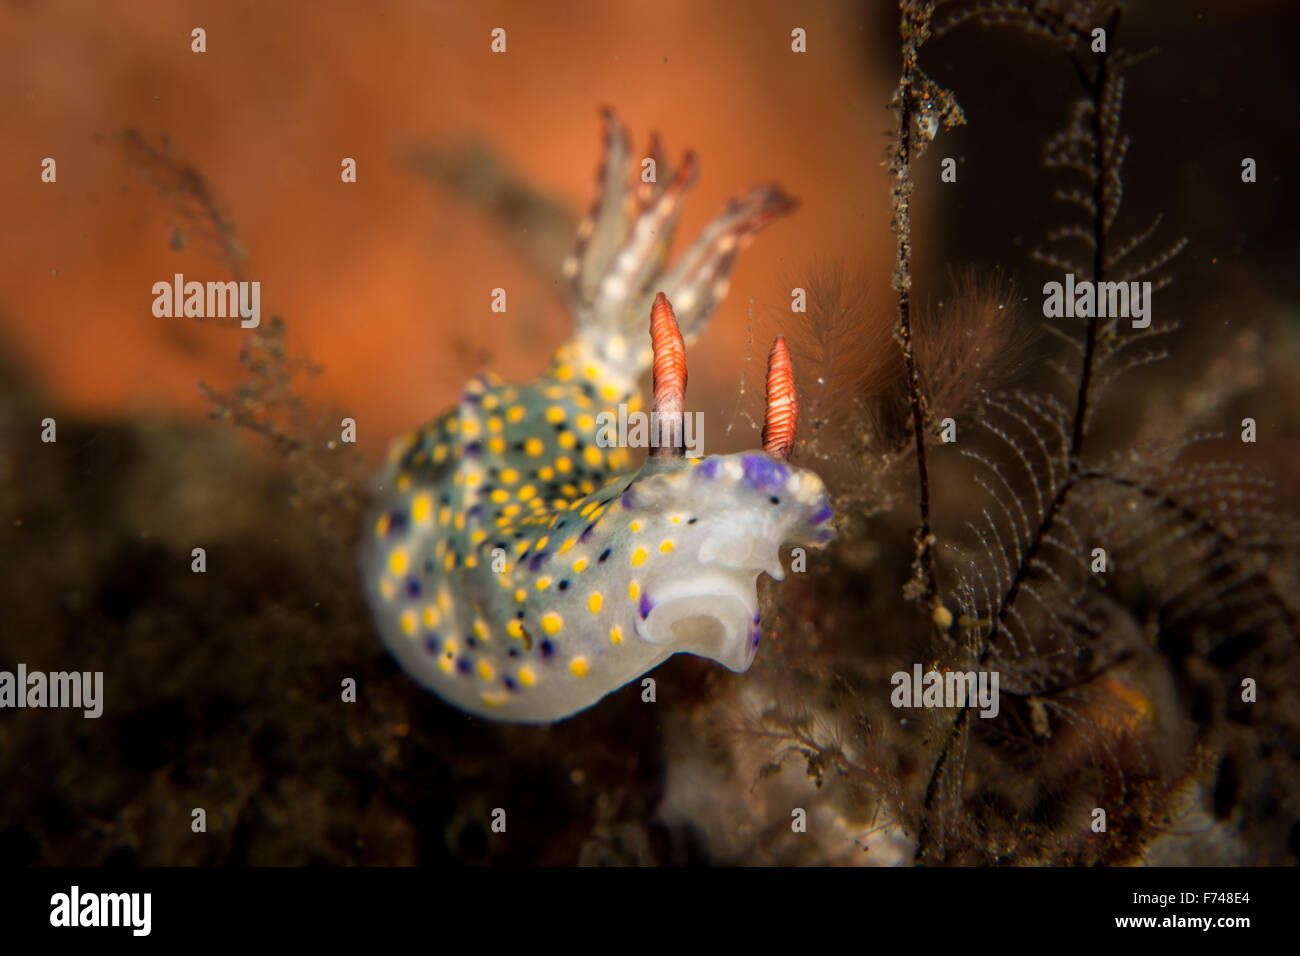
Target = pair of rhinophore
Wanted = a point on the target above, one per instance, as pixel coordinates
(780, 418)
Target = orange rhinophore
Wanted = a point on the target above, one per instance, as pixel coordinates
(782, 415)
(669, 378)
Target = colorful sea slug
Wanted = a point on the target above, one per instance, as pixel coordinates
(512, 566)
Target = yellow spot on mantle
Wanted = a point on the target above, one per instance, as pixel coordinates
(579, 667)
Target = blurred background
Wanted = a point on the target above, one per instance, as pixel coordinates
(387, 282)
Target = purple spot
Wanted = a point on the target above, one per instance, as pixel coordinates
(754, 637)
(646, 605)
(462, 665)
(629, 500)
(547, 648)
(764, 474)
(432, 644)
(586, 533)
(510, 683)
(396, 523)
(473, 449)
(413, 587)
(824, 535)
(537, 560)
(821, 515)
(708, 469)
(474, 512)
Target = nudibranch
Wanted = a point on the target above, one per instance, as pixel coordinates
(512, 565)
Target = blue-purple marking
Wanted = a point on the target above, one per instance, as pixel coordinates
(764, 474)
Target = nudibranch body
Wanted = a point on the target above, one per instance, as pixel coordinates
(513, 567)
